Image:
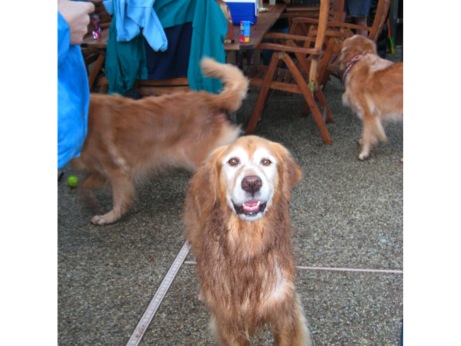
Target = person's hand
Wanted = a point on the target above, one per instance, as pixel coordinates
(76, 14)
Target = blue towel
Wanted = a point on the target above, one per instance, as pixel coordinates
(131, 16)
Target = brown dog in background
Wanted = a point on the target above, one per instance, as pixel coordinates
(373, 89)
(130, 139)
(238, 225)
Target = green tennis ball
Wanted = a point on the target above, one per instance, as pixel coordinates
(72, 181)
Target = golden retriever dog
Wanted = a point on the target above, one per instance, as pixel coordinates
(373, 89)
(237, 223)
(128, 140)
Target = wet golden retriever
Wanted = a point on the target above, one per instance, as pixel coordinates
(373, 89)
(238, 225)
(128, 139)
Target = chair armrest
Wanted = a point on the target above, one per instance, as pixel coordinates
(332, 26)
(305, 20)
(307, 10)
(344, 25)
(288, 37)
(289, 49)
(337, 29)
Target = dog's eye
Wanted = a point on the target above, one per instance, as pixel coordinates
(266, 162)
(233, 162)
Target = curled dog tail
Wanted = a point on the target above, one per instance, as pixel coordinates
(235, 83)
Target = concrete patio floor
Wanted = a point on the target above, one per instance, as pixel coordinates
(346, 215)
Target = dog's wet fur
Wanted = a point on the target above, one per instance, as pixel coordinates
(129, 140)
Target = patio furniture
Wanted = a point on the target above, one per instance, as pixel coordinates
(294, 68)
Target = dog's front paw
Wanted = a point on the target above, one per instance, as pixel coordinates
(105, 219)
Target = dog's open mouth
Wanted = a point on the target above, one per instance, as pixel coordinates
(250, 208)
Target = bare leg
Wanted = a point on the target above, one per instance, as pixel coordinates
(362, 21)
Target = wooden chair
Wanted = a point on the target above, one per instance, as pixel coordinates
(299, 75)
(162, 87)
(338, 31)
(294, 10)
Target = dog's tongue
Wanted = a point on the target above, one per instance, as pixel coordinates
(251, 206)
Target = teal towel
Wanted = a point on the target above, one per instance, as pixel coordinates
(125, 61)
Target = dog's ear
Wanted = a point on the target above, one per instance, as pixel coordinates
(343, 57)
(372, 47)
(289, 171)
(204, 185)
(367, 46)
(363, 45)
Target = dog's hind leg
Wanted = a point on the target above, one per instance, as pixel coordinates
(372, 134)
(92, 181)
(122, 195)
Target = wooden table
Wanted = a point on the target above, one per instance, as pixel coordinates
(265, 21)
(257, 31)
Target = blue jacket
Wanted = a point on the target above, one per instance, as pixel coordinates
(73, 96)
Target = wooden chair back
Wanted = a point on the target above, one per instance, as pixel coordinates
(312, 10)
(294, 69)
(337, 32)
(295, 12)
(382, 11)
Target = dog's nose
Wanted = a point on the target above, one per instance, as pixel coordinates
(251, 183)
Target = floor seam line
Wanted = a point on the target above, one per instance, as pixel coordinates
(157, 299)
(359, 270)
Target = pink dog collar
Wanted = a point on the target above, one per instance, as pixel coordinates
(351, 63)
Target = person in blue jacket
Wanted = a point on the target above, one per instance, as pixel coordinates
(73, 89)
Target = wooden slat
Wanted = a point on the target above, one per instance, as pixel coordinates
(298, 76)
